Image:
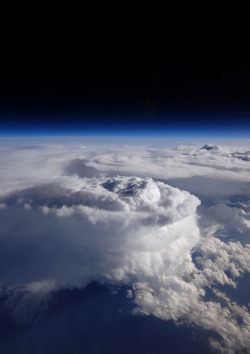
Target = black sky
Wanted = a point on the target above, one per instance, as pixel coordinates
(143, 65)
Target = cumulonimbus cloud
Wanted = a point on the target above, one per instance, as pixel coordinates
(124, 225)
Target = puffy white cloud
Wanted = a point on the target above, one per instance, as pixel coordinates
(122, 225)
(229, 218)
(181, 298)
(182, 302)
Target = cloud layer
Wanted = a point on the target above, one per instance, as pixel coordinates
(70, 215)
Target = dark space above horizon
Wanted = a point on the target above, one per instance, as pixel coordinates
(128, 71)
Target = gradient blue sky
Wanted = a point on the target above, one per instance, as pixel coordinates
(165, 126)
